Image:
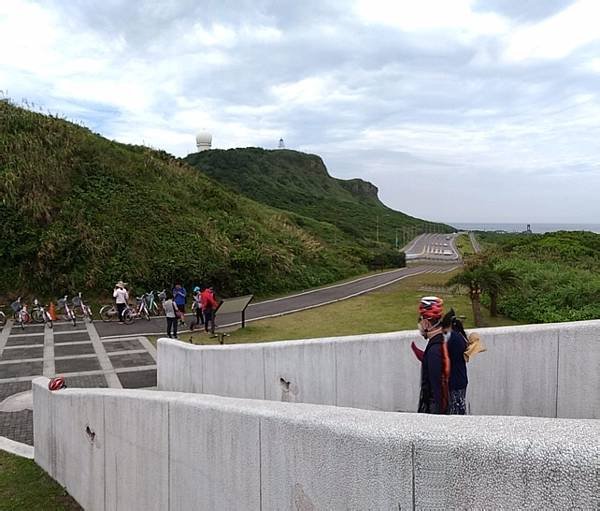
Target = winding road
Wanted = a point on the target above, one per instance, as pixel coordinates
(428, 250)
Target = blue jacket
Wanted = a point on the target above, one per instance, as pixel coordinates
(434, 373)
(179, 295)
(457, 345)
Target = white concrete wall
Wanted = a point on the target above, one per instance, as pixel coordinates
(531, 370)
(174, 451)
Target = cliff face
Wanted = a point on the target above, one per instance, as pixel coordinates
(361, 189)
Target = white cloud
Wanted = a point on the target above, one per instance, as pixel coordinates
(428, 15)
(464, 96)
(557, 36)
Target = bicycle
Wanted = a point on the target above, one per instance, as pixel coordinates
(63, 304)
(2, 318)
(110, 312)
(141, 310)
(39, 314)
(154, 307)
(80, 309)
(21, 315)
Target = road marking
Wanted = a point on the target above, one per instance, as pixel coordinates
(105, 362)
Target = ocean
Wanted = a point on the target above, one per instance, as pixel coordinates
(516, 227)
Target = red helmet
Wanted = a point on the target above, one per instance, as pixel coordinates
(57, 383)
(431, 307)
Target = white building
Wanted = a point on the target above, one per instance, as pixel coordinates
(203, 141)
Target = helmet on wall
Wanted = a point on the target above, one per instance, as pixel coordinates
(57, 383)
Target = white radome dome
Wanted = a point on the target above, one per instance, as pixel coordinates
(203, 138)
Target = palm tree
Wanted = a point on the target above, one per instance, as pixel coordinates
(471, 278)
(484, 274)
(497, 280)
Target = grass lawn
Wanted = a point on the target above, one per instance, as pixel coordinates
(25, 486)
(464, 245)
(389, 309)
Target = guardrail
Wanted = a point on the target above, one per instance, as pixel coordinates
(152, 450)
(531, 370)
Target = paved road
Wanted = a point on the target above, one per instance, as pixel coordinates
(285, 305)
(78, 354)
(474, 242)
(437, 247)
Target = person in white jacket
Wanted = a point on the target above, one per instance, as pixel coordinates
(121, 297)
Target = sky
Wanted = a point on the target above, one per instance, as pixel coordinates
(457, 110)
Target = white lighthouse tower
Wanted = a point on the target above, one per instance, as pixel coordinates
(203, 141)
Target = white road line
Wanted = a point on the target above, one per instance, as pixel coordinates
(49, 369)
(4, 333)
(327, 287)
(105, 363)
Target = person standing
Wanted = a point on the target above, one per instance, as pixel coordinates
(456, 341)
(435, 367)
(171, 312)
(121, 297)
(179, 296)
(197, 308)
(209, 308)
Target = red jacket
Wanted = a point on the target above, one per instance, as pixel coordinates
(207, 300)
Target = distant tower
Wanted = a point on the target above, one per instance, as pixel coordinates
(203, 141)
(281, 144)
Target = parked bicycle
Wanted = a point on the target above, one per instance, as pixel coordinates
(63, 305)
(154, 306)
(39, 314)
(21, 316)
(110, 312)
(2, 317)
(140, 311)
(80, 309)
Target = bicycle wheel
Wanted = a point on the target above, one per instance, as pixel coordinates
(128, 316)
(154, 309)
(2, 319)
(78, 312)
(107, 313)
(37, 316)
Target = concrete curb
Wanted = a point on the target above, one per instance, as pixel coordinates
(16, 448)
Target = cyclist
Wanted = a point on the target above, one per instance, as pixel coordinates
(209, 307)
(435, 367)
(197, 307)
(171, 312)
(179, 297)
(121, 297)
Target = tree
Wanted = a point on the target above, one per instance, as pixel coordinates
(497, 280)
(471, 278)
(484, 274)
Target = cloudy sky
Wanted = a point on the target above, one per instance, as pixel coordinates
(458, 110)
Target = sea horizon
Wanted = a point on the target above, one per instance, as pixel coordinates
(539, 227)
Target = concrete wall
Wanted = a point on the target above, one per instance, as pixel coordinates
(532, 370)
(134, 449)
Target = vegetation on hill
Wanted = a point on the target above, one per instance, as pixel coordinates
(553, 277)
(80, 212)
(299, 182)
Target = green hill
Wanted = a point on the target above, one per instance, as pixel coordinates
(79, 212)
(299, 182)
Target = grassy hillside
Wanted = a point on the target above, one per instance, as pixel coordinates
(559, 275)
(80, 212)
(299, 182)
